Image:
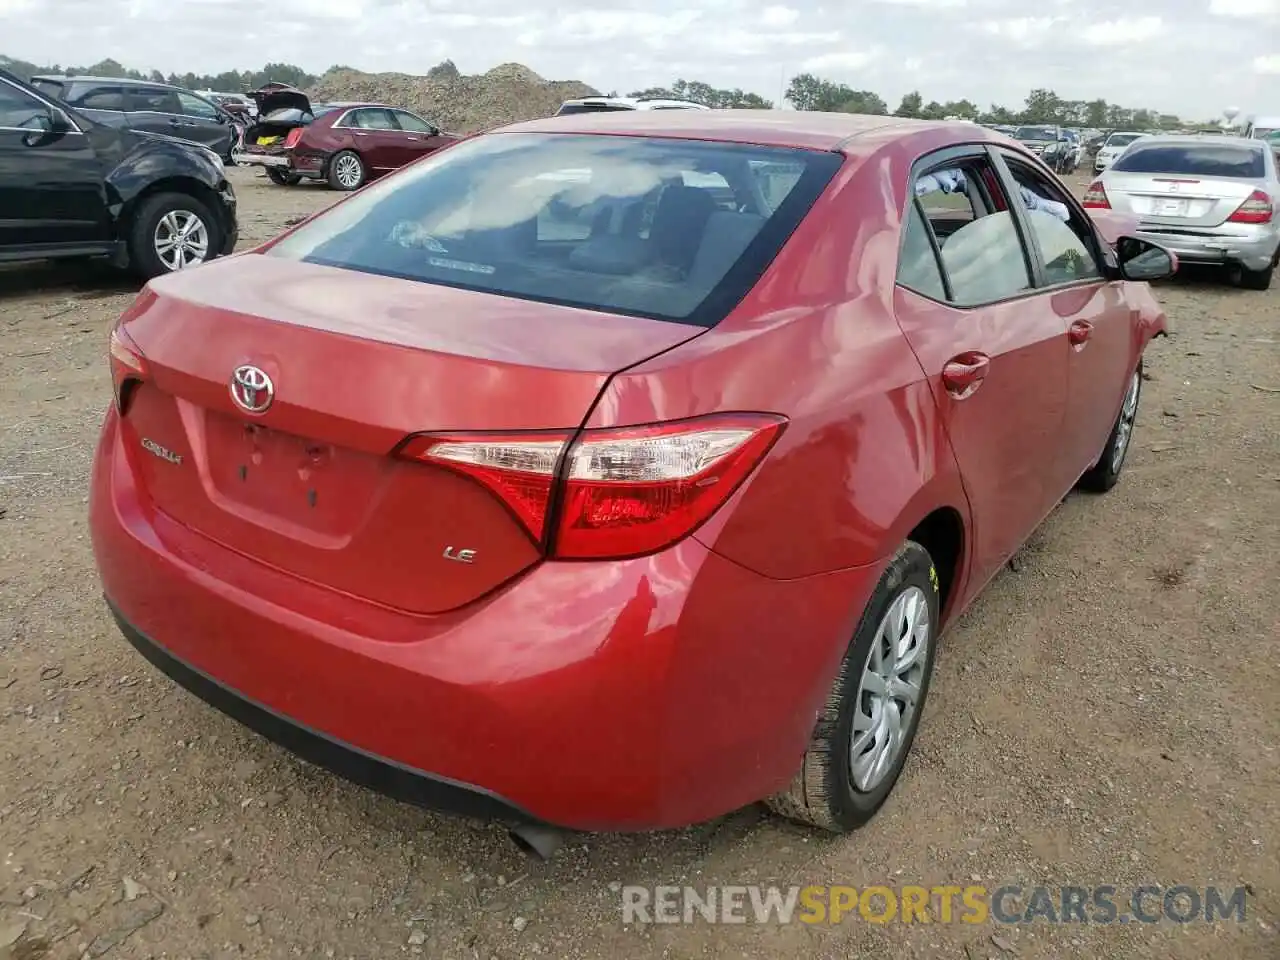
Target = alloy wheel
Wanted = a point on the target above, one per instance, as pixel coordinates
(348, 171)
(1124, 428)
(181, 240)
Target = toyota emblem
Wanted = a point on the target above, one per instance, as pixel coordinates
(251, 389)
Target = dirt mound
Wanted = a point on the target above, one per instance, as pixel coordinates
(460, 103)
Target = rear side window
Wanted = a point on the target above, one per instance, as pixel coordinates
(1194, 159)
(918, 268)
(98, 98)
(606, 223)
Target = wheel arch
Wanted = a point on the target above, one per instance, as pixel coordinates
(942, 532)
(172, 184)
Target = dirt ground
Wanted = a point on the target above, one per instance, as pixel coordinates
(1109, 712)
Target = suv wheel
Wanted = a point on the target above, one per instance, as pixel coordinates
(172, 231)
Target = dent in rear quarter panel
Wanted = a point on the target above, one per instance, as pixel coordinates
(864, 457)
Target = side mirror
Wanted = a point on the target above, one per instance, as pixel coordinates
(1143, 260)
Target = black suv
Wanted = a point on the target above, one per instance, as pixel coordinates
(71, 187)
(145, 106)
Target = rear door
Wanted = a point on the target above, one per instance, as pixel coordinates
(1191, 185)
(380, 142)
(1100, 330)
(992, 345)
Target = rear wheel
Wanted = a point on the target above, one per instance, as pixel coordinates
(172, 231)
(1102, 476)
(1254, 279)
(283, 179)
(346, 171)
(866, 729)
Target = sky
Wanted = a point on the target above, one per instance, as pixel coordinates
(1194, 58)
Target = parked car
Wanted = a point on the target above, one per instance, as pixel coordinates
(612, 104)
(236, 104)
(345, 144)
(145, 107)
(71, 187)
(1114, 145)
(651, 580)
(1209, 199)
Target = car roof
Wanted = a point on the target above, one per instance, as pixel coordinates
(60, 78)
(807, 129)
(1197, 139)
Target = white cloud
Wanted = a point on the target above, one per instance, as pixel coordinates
(1245, 9)
(1210, 52)
(779, 16)
(1112, 33)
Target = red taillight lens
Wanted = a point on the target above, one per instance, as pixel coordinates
(293, 137)
(621, 492)
(1096, 196)
(128, 365)
(1257, 209)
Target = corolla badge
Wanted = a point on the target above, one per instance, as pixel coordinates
(164, 453)
(251, 389)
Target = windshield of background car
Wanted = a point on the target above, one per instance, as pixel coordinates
(660, 228)
(1121, 139)
(570, 108)
(1197, 159)
(1036, 133)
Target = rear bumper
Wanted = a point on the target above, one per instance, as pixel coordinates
(1251, 247)
(279, 161)
(642, 694)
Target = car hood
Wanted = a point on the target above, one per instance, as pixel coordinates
(287, 98)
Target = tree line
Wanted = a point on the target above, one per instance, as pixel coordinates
(809, 92)
(805, 92)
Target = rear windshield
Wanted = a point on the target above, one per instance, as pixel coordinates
(1201, 160)
(667, 229)
(568, 108)
(1120, 139)
(1036, 133)
(294, 115)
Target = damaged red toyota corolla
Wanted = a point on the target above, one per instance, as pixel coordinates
(612, 472)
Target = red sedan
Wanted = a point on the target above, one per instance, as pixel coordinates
(611, 472)
(345, 144)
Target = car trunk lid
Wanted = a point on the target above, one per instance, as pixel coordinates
(1177, 199)
(312, 486)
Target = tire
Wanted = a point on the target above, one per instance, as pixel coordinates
(1104, 474)
(346, 171)
(282, 179)
(830, 790)
(1248, 279)
(146, 231)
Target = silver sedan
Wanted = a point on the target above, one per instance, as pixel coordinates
(1208, 199)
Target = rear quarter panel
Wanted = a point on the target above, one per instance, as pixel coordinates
(864, 457)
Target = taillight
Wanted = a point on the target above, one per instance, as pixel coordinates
(128, 366)
(293, 137)
(615, 492)
(1096, 196)
(1257, 209)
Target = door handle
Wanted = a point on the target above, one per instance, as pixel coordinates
(1079, 333)
(963, 374)
(412, 138)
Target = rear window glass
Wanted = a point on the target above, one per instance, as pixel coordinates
(288, 115)
(568, 108)
(668, 229)
(1036, 133)
(1204, 160)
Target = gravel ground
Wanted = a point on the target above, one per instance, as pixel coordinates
(1107, 713)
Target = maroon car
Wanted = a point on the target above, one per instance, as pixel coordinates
(343, 143)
